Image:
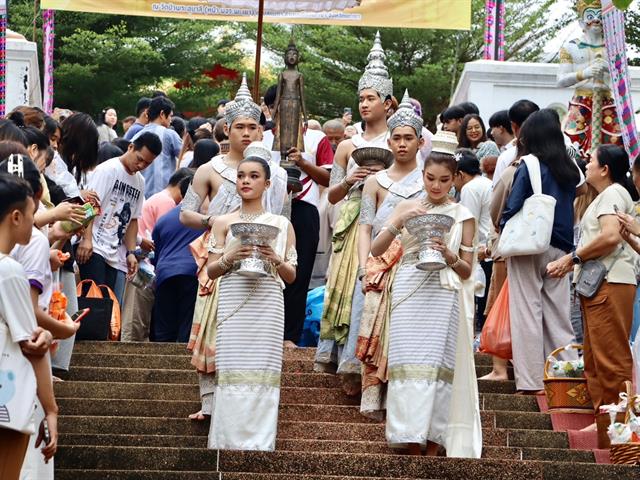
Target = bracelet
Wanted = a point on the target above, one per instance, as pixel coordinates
(205, 221)
(345, 184)
(131, 252)
(579, 75)
(454, 264)
(224, 264)
(362, 271)
(393, 230)
(278, 265)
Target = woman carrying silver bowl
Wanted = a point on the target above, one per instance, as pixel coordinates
(248, 352)
(426, 313)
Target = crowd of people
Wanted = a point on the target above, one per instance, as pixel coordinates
(78, 204)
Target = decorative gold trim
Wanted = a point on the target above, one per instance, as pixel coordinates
(248, 377)
(421, 372)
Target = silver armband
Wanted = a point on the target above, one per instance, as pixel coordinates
(367, 210)
(337, 174)
(191, 201)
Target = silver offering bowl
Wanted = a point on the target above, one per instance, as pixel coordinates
(372, 157)
(425, 228)
(257, 235)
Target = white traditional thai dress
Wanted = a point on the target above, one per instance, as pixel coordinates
(226, 200)
(411, 186)
(344, 264)
(429, 342)
(248, 354)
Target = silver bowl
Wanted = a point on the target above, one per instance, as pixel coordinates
(372, 156)
(257, 235)
(425, 228)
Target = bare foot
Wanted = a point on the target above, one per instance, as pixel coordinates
(198, 416)
(494, 376)
(351, 385)
(591, 428)
(289, 344)
(530, 392)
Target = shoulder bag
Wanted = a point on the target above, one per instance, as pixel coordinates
(592, 274)
(528, 232)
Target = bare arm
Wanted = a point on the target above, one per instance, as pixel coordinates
(58, 328)
(404, 210)
(287, 269)
(199, 190)
(130, 237)
(605, 243)
(42, 370)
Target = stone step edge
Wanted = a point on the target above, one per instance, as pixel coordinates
(298, 452)
(258, 476)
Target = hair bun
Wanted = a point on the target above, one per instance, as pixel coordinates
(17, 118)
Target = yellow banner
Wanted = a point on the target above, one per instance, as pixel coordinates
(441, 14)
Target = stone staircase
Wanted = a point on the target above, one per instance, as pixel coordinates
(124, 414)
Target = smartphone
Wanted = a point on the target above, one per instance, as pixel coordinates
(77, 200)
(80, 314)
(615, 208)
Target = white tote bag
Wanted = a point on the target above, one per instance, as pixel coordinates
(17, 385)
(528, 232)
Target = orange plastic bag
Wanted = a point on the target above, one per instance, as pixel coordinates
(103, 291)
(495, 338)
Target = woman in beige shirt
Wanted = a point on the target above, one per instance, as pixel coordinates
(607, 314)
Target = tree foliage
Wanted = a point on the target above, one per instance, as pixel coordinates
(111, 60)
(427, 62)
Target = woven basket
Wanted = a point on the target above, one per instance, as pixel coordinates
(567, 394)
(626, 453)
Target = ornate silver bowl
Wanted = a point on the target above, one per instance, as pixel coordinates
(258, 235)
(425, 228)
(372, 156)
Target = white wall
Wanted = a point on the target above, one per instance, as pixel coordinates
(23, 75)
(495, 86)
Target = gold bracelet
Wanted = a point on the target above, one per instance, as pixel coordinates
(345, 184)
(579, 76)
(454, 264)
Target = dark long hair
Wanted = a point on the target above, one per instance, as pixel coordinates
(541, 135)
(79, 143)
(463, 140)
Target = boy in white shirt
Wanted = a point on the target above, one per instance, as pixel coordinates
(120, 187)
(16, 311)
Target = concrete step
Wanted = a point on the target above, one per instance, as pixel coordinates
(296, 429)
(166, 475)
(342, 465)
(189, 377)
(181, 349)
(305, 445)
(288, 411)
(183, 362)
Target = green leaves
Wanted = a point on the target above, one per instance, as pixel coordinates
(622, 4)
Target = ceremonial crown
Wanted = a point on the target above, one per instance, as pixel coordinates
(243, 105)
(444, 142)
(376, 75)
(582, 5)
(406, 116)
(257, 149)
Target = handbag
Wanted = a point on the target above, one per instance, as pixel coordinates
(592, 274)
(97, 325)
(528, 232)
(17, 385)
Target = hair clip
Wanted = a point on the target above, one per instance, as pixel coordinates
(457, 156)
(15, 165)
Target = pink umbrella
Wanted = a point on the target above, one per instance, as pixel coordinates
(280, 6)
